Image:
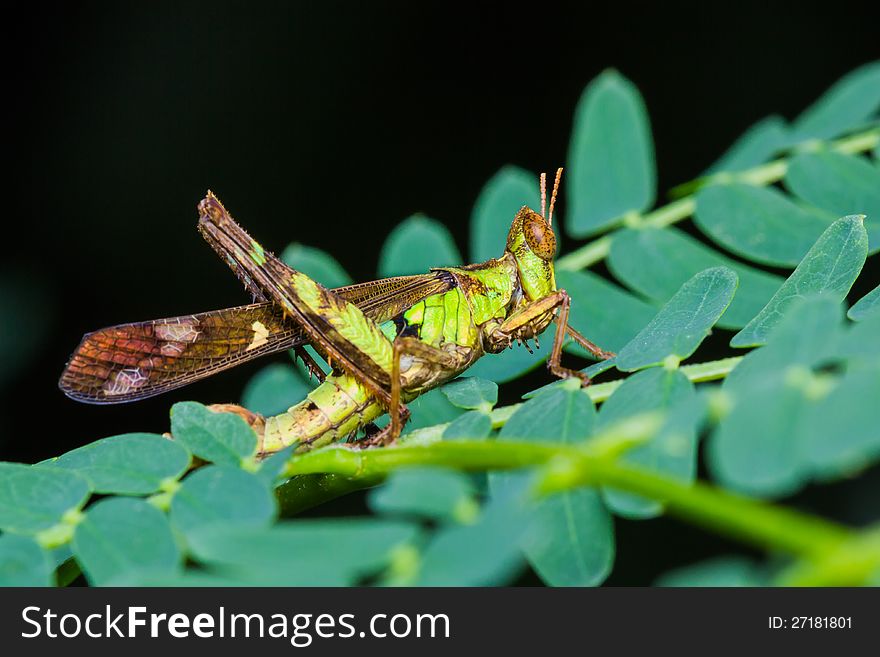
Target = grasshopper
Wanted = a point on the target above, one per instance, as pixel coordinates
(387, 341)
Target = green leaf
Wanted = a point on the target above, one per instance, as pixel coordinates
(656, 261)
(120, 535)
(430, 409)
(129, 464)
(849, 102)
(841, 184)
(722, 571)
(274, 389)
(481, 554)
(611, 157)
(471, 393)
(36, 497)
(756, 145)
(316, 264)
(672, 451)
(223, 438)
(840, 429)
(758, 223)
(682, 324)
(867, 306)
(23, 562)
(859, 344)
(405, 249)
(496, 206)
(758, 446)
(571, 537)
(473, 425)
(222, 495)
(604, 313)
(303, 553)
(429, 492)
(829, 268)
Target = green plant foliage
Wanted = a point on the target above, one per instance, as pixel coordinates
(830, 268)
(851, 101)
(471, 393)
(760, 446)
(216, 437)
(499, 201)
(316, 264)
(760, 224)
(839, 183)
(609, 315)
(672, 450)
(756, 145)
(222, 495)
(655, 262)
(23, 562)
(121, 535)
(682, 324)
(473, 425)
(274, 389)
(867, 306)
(35, 498)
(476, 492)
(130, 464)
(611, 158)
(429, 492)
(404, 250)
(723, 571)
(571, 539)
(483, 553)
(302, 553)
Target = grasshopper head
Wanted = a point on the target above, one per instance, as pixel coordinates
(532, 243)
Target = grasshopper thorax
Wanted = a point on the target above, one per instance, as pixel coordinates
(532, 244)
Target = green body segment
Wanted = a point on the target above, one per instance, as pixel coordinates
(340, 406)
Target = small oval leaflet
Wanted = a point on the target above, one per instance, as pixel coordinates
(304, 552)
(430, 492)
(683, 323)
(611, 156)
(499, 201)
(128, 464)
(404, 249)
(217, 437)
(829, 268)
(36, 497)
(570, 541)
(23, 562)
(759, 223)
(222, 495)
(657, 261)
(840, 184)
(122, 535)
(471, 392)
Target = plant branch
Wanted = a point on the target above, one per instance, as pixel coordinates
(752, 521)
(765, 174)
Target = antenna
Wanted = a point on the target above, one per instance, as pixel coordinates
(543, 194)
(553, 195)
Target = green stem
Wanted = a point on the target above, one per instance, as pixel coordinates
(765, 174)
(752, 521)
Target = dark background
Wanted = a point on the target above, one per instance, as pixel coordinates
(328, 123)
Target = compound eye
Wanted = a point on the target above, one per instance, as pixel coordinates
(540, 237)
